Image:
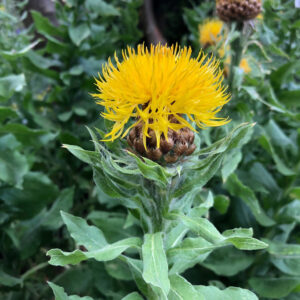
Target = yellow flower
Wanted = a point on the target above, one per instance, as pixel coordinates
(157, 84)
(245, 66)
(210, 32)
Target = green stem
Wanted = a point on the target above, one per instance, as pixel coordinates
(33, 270)
(159, 200)
(237, 47)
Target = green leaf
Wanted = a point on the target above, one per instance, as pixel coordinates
(281, 166)
(13, 54)
(52, 220)
(26, 203)
(242, 239)
(13, 165)
(7, 112)
(112, 225)
(8, 280)
(60, 294)
(136, 268)
(101, 7)
(221, 203)
(60, 258)
(155, 269)
(231, 293)
(282, 74)
(285, 257)
(188, 253)
(254, 95)
(175, 235)
(290, 212)
(118, 269)
(247, 243)
(133, 296)
(202, 227)
(290, 98)
(108, 252)
(45, 27)
(79, 33)
(181, 289)
(227, 261)
(42, 62)
(201, 171)
(274, 288)
(83, 155)
(11, 84)
(238, 189)
(152, 170)
(90, 237)
(28, 136)
(231, 161)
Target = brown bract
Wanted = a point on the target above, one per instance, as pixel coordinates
(179, 143)
(238, 10)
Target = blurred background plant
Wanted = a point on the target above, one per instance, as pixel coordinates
(46, 75)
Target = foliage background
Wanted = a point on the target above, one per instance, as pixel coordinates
(45, 81)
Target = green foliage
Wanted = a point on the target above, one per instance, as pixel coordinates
(169, 218)
(263, 185)
(145, 231)
(45, 83)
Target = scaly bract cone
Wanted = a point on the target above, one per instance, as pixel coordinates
(179, 143)
(238, 10)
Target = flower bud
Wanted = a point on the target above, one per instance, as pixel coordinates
(179, 144)
(238, 10)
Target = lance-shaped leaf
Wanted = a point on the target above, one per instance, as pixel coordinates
(275, 287)
(155, 269)
(228, 261)
(281, 166)
(201, 171)
(108, 252)
(152, 170)
(190, 252)
(202, 226)
(8, 280)
(88, 236)
(136, 268)
(13, 54)
(60, 294)
(285, 257)
(231, 293)
(242, 239)
(238, 189)
(181, 289)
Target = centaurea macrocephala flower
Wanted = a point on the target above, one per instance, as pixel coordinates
(154, 86)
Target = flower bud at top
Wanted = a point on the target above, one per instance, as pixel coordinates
(238, 10)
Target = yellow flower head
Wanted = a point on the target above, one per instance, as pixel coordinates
(157, 84)
(210, 32)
